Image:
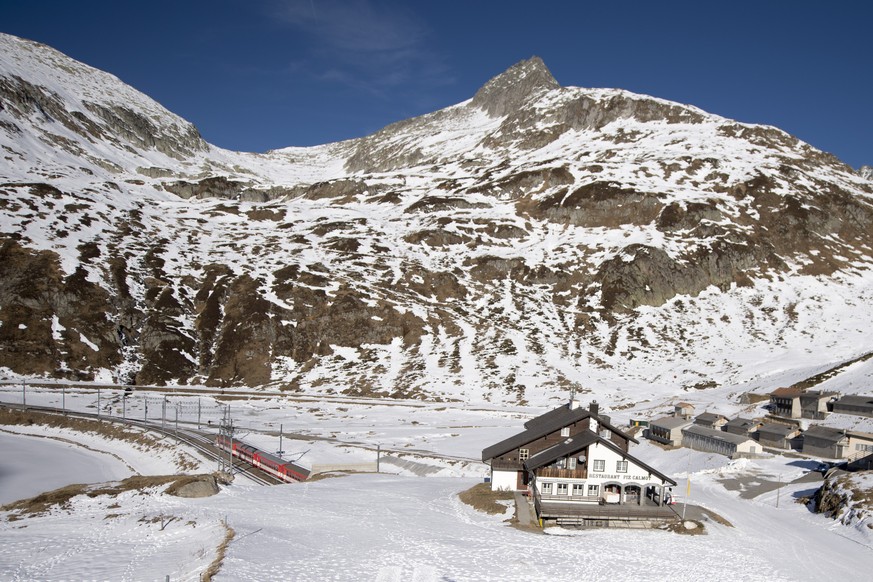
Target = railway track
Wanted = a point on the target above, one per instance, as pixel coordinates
(198, 440)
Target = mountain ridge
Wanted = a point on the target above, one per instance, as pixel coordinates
(505, 248)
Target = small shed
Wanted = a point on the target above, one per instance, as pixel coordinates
(683, 409)
(776, 435)
(710, 420)
(667, 430)
(742, 426)
(822, 441)
(701, 438)
(854, 404)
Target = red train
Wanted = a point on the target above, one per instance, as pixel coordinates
(279, 468)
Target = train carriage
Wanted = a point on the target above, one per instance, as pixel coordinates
(276, 466)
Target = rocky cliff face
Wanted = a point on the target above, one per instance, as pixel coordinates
(533, 237)
(847, 498)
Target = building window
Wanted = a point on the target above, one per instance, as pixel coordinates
(600, 465)
(621, 466)
(547, 488)
(523, 454)
(565, 431)
(579, 489)
(593, 490)
(562, 488)
(571, 462)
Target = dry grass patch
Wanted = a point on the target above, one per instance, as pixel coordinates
(61, 497)
(481, 498)
(687, 527)
(111, 430)
(215, 566)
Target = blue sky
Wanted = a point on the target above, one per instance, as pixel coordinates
(262, 74)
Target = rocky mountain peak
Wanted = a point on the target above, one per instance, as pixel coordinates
(510, 89)
(866, 172)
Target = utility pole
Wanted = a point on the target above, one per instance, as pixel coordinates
(24, 394)
(64, 398)
(280, 452)
(164, 412)
(225, 435)
(778, 489)
(145, 414)
(98, 402)
(687, 493)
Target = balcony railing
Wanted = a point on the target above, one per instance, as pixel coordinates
(555, 472)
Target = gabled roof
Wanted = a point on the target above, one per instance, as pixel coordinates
(670, 422)
(709, 417)
(825, 433)
(576, 444)
(713, 433)
(856, 400)
(558, 417)
(742, 422)
(817, 395)
(563, 449)
(787, 392)
(545, 424)
(776, 429)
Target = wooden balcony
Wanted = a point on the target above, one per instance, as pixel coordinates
(554, 472)
(501, 465)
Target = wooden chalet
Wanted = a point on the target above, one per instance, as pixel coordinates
(588, 480)
(574, 464)
(507, 457)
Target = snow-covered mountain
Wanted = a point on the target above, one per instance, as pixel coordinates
(531, 238)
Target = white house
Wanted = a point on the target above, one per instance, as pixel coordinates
(588, 478)
(507, 457)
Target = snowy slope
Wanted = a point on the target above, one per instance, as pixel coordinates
(533, 238)
(394, 527)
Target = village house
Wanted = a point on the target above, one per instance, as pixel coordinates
(742, 426)
(667, 430)
(507, 457)
(710, 420)
(814, 404)
(701, 438)
(776, 435)
(683, 409)
(822, 441)
(860, 444)
(854, 404)
(785, 402)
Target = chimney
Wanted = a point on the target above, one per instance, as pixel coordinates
(594, 408)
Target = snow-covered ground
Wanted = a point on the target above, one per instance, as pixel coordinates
(21, 477)
(401, 526)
